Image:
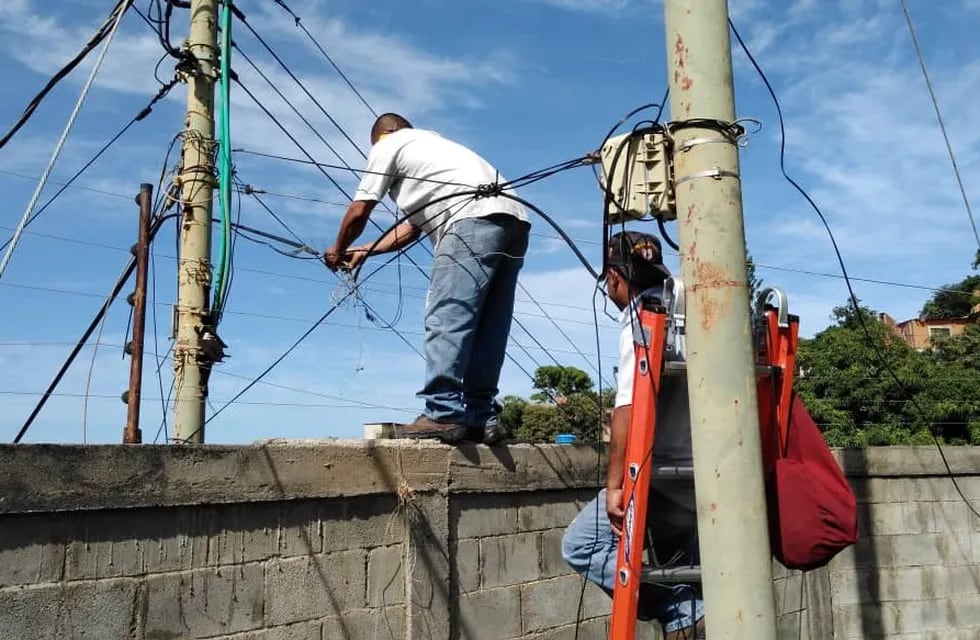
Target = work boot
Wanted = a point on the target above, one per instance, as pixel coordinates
(694, 632)
(488, 434)
(425, 427)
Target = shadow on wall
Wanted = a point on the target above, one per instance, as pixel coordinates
(865, 554)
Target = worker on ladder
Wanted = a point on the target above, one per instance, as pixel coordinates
(634, 271)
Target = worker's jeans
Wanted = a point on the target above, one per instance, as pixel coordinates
(468, 316)
(590, 547)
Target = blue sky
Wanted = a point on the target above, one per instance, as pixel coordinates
(527, 83)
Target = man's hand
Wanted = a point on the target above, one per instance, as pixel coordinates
(354, 257)
(614, 509)
(331, 258)
(349, 261)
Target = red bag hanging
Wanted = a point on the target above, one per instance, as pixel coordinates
(811, 506)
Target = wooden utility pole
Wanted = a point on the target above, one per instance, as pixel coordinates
(192, 357)
(141, 251)
(734, 536)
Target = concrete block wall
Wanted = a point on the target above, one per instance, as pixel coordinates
(349, 540)
(915, 573)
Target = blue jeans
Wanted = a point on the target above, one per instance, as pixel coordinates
(468, 316)
(590, 547)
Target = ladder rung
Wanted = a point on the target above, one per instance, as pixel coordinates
(673, 472)
(670, 575)
(679, 367)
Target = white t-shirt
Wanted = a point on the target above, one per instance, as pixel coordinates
(672, 439)
(419, 166)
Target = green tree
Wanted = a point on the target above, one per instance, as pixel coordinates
(847, 389)
(555, 381)
(856, 399)
(564, 403)
(953, 300)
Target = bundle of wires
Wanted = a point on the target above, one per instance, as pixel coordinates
(225, 173)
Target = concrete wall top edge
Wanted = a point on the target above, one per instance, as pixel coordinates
(51, 477)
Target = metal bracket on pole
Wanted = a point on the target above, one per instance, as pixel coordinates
(716, 173)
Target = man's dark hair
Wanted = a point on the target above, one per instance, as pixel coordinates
(388, 122)
(638, 258)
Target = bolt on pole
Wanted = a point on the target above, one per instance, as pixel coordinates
(192, 364)
(732, 523)
(141, 251)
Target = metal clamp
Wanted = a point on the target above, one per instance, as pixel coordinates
(717, 173)
(690, 143)
(782, 304)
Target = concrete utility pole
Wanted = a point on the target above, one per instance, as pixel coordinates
(734, 535)
(192, 358)
(132, 434)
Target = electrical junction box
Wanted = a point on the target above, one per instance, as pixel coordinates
(636, 170)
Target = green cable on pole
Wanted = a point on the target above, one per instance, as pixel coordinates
(221, 279)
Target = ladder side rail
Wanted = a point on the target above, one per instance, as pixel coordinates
(648, 370)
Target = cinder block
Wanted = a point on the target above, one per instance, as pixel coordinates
(789, 593)
(594, 629)
(300, 589)
(205, 602)
(362, 523)
(181, 538)
(548, 510)
(430, 594)
(490, 614)
(245, 533)
(917, 489)
(84, 610)
(552, 603)
(508, 560)
(298, 631)
(110, 545)
(385, 578)
(791, 626)
(468, 564)
(489, 515)
(301, 529)
(960, 634)
(866, 620)
(953, 517)
(552, 562)
(375, 624)
(32, 549)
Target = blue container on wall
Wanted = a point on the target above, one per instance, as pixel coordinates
(565, 438)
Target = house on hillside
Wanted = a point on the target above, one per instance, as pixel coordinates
(919, 333)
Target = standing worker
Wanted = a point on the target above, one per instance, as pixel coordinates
(479, 250)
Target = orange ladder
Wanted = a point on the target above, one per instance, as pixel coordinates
(659, 331)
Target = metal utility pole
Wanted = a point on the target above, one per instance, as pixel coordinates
(192, 357)
(141, 251)
(734, 536)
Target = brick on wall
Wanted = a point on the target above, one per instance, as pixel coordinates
(204, 602)
(90, 609)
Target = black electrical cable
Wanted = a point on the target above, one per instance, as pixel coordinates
(847, 281)
(93, 42)
(309, 35)
(351, 293)
(144, 112)
(607, 195)
(241, 17)
(289, 350)
(116, 288)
